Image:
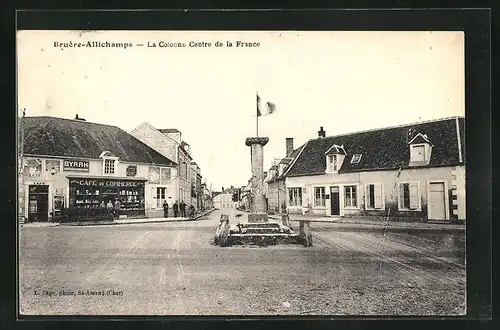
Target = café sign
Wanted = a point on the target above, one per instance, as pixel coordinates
(75, 165)
(105, 183)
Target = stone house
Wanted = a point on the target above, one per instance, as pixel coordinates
(409, 171)
(276, 189)
(169, 143)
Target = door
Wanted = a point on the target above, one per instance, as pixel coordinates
(437, 201)
(38, 210)
(160, 197)
(334, 200)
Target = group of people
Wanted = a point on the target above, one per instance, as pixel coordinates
(179, 209)
(113, 208)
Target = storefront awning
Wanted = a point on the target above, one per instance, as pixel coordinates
(102, 177)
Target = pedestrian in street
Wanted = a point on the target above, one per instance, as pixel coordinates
(117, 207)
(191, 211)
(109, 206)
(165, 209)
(102, 205)
(183, 209)
(176, 209)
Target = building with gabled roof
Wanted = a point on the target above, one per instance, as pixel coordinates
(73, 163)
(169, 143)
(415, 170)
(276, 190)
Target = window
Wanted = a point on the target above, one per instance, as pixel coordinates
(109, 166)
(183, 170)
(295, 196)
(350, 199)
(319, 196)
(374, 196)
(332, 162)
(356, 158)
(418, 153)
(408, 196)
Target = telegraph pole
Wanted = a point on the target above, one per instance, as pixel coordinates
(278, 191)
(21, 170)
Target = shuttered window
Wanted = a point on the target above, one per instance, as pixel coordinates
(374, 196)
(409, 196)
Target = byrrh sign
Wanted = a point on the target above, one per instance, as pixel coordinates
(75, 165)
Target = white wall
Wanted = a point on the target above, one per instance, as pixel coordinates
(389, 183)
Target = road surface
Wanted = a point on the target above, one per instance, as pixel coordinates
(174, 269)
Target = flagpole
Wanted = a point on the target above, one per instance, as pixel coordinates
(257, 125)
(257, 114)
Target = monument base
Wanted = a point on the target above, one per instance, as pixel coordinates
(258, 217)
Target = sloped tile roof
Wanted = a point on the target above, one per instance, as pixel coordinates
(61, 137)
(286, 161)
(383, 149)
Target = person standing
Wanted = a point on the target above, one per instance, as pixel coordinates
(109, 206)
(117, 208)
(176, 209)
(165, 209)
(183, 209)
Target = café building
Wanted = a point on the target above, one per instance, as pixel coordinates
(79, 164)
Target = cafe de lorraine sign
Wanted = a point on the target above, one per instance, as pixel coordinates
(75, 165)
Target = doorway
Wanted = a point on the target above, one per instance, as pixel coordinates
(334, 200)
(160, 196)
(437, 202)
(38, 203)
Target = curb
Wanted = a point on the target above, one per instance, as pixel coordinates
(358, 226)
(77, 224)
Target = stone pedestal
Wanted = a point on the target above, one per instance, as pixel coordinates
(258, 200)
(258, 217)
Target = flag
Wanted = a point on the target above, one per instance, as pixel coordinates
(269, 109)
(258, 105)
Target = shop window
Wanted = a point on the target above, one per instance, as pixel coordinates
(350, 197)
(94, 194)
(319, 196)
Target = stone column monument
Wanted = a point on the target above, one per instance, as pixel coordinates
(258, 200)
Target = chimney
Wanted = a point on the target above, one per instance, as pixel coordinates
(222, 189)
(321, 133)
(289, 146)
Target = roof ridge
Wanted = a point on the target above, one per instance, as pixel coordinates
(74, 120)
(389, 127)
(295, 159)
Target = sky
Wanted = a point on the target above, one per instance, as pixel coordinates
(343, 81)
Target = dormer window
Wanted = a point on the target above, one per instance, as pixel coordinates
(334, 158)
(109, 166)
(332, 162)
(420, 150)
(281, 169)
(356, 159)
(418, 153)
(109, 163)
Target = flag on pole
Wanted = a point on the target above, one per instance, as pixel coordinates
(269, 108)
